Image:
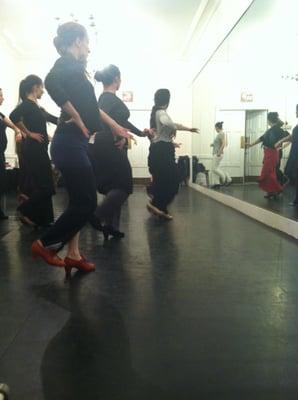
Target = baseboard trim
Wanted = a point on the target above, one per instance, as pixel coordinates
(266, 217)
(141, 181)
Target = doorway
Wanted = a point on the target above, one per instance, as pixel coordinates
(243, 126)
(255, 126)
(234, 128)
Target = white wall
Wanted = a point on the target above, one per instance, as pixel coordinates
(253, 59)
(9, 84)
(215, 20)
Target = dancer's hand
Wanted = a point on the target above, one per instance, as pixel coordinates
(278, 145)
(36, 136)
(85, 131)
(121, 143)
(150, 133)
(80, 124)
(18, 137)
(70, 121)
(83, 128)
(177, 145)
(120, 131)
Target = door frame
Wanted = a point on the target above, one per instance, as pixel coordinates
(245, 151)
(245, 176)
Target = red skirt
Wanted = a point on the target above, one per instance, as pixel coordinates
(268, 179)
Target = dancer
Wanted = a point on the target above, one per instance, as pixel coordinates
(109, 155)
(161, 160)
(291, 170)
(218, 145)
(36, 208)
(268, 179)
(68, 85)
(4, 123)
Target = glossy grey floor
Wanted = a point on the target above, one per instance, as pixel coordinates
(203, 307)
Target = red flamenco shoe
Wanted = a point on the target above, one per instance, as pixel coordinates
(82, 265)
(49, 256)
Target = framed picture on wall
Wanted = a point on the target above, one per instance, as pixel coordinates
(127, 96)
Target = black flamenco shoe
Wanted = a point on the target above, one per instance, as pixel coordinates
(110, 231)
(95, 222)
(274, 195)
(269, 196)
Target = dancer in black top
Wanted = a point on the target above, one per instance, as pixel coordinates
(68, 85)
(4, 123)
(109, 155)
(37, 207)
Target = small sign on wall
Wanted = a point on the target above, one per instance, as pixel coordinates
(246, 97)
(127, 96)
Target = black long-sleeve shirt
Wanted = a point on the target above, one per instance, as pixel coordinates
(118, 111)
(3, 137)
(34, 118)
(67, 81)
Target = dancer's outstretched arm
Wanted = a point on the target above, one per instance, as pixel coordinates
(116, 128)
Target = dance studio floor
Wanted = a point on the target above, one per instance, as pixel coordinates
(203, 307)
(252, 194)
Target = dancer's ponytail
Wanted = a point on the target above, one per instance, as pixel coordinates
(161, 101)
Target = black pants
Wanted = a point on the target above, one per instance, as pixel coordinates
(109, 211)
(296, 185)
(39, 207)
(281, 177)
(2, 178)
(2, 174)
(25, 184)
(163, 169)
(81, 188)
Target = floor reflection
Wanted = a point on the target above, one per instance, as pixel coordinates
(90, 357)
(251, 193)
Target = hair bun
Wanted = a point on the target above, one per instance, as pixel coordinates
(107, 75)
(98, 76)
(58, 44)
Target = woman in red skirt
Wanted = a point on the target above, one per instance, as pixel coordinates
(268, 181)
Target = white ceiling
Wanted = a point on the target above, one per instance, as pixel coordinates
(130, 28)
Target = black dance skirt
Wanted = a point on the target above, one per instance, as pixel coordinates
(111, 165)
(163, 168)
(161, 160)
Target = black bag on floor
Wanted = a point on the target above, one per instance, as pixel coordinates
(183, 169)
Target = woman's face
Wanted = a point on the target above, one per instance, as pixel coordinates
(1, 98)
(38, 91)
(83, 48)
(218, 130)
